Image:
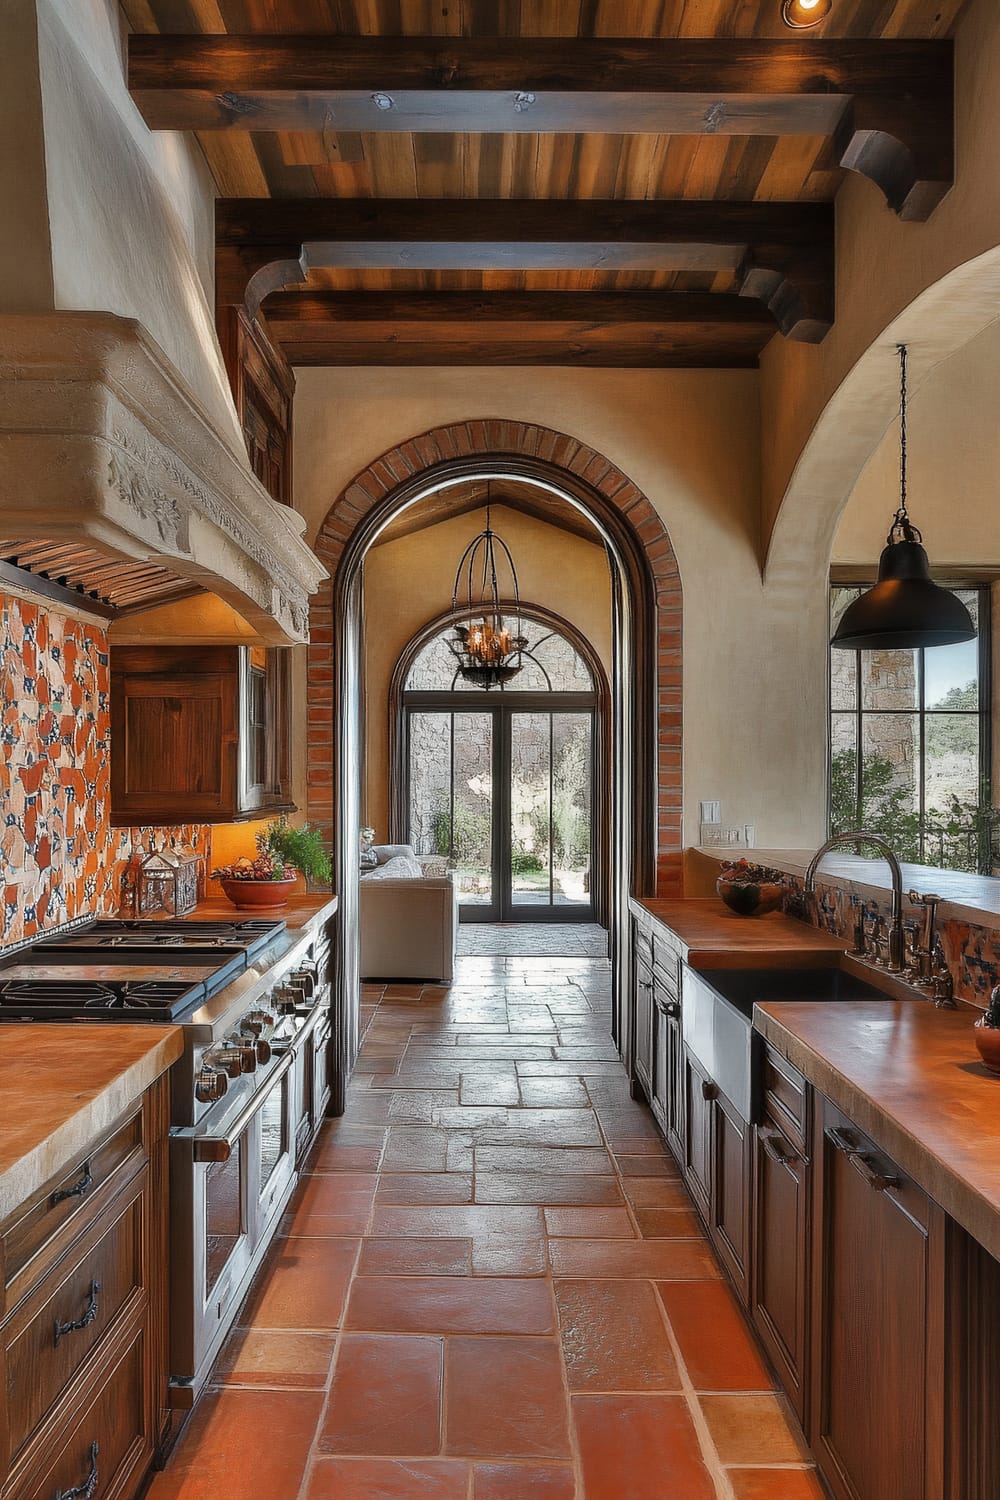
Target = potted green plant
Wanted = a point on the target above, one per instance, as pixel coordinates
(282, 852)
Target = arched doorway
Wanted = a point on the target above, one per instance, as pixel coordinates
(511, 785)
(645, 755)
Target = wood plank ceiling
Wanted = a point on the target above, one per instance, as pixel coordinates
(749, 180)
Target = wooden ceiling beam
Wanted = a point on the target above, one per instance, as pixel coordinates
(888, 105)
(602, 309)
(782, 253)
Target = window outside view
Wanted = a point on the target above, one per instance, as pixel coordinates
(906, 747)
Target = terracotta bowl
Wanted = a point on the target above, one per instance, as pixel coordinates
(749, 899)
(249, 895)
(988, 1042)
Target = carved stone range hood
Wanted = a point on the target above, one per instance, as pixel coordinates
(100, 439)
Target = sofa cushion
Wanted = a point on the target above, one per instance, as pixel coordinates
(384, 852)
(400, 868)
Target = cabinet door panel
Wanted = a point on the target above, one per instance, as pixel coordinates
(877, 1364)
(781, 1256)
(697, 1133)
(642, 1026)
(731, 1190)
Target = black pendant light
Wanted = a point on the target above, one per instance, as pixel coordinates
(488, 648)
(906, 609)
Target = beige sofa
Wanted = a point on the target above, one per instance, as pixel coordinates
(408, 928)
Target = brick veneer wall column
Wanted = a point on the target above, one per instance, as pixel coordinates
(491, 438)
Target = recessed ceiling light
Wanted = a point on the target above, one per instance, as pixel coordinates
(801, 14)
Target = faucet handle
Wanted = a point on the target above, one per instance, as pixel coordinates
(923, 900)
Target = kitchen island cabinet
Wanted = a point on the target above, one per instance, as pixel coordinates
(83, 1249)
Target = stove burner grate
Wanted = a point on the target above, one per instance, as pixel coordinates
(140, 999)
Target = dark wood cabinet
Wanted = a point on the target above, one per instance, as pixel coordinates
(642, 1022)
(878, 1374)
(199, 734)
(730, 1214)
(697, 1091)
(780, 1255)
(83, 1318)
(666, 1063)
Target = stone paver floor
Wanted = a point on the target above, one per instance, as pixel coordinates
(491, 1285)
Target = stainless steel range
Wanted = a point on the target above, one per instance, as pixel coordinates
(248, 1094)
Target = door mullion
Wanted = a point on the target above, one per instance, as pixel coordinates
(502, 864)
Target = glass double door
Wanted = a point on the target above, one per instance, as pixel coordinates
(507, 794)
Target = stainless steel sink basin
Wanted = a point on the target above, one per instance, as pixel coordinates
(717, 1016)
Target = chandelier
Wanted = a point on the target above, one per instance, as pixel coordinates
(486, 646)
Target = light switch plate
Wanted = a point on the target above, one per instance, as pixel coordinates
(711, 812)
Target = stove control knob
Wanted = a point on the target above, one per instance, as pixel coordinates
(306, 980)
(209, 1085)
(255, 1022)
(263, 1050)
(235, 1060)
(252, 1038)
(286, 999)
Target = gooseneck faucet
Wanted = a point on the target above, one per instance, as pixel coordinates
(856, 836)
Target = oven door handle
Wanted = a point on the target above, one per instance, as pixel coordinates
(219, 1148)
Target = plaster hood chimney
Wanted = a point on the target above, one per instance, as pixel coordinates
(101, 441)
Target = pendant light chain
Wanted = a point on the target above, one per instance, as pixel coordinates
(901, 522)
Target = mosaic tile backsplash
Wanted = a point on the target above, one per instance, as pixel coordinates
(61, 859)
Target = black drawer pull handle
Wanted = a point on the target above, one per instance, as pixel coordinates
(671, 1008)
(709, 1090)
(86, 1320)
(879, 1182)
(81, 1186)
(843, 1140)
(88, 1488)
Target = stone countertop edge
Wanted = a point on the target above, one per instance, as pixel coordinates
(300, 912)
(947, 1141)
(964, 897)
(81, 1098)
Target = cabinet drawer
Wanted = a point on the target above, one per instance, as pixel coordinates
(110, 1443)
(784, 1095)
(666, 967)
(50, 1220)
(56, 1331)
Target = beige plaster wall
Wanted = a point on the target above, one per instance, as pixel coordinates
(883, 267)
(754, 657)
(409, 582)
(25, 259)
(130, 211)
(953, 442)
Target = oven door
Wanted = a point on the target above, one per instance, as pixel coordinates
(231, 1177)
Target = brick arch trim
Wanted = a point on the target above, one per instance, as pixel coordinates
(495, 439)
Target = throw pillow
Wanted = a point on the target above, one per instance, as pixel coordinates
(384, 852)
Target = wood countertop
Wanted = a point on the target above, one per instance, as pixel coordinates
(710, 936)
(301, 911)
(910, 1077)
(62, 1087)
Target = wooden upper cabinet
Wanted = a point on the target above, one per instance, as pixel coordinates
(263, 388)
(199, 734)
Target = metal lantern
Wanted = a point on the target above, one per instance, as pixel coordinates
(487, 646)
(165, 884)
(906, 609)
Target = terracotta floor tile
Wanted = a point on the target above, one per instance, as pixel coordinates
(715, 1344)
(542, 1188)
(339, 1156)
(751, 1430)
(505, 1397)
(441, 1305)
(523, 1482)
(613, 1338)
(501, 1256)
(388, 1479)
(385, 1397)
(243, 1445)
(639, 1448)
(424, 1187)
(656, 1192)
(668, 1223)
(641, 1146)
(264, 1356)
(676, 1260)
(416, 1148)
(775, 1484)
(413, 1257)
(303, 1285)
(646, 1165)
(419, 1106)
(331, 1203)
(451, 1221)
(590, 1223)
